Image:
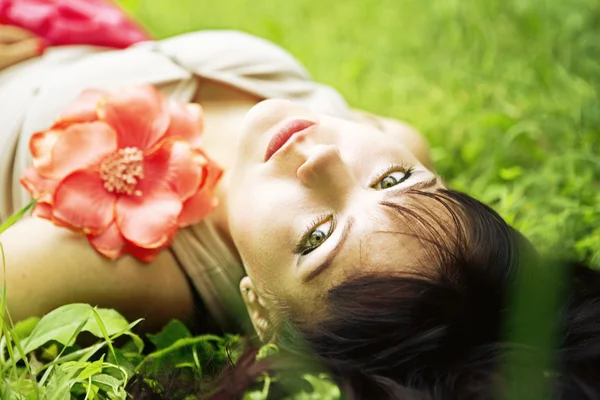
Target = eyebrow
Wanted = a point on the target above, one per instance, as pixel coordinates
(333, 253)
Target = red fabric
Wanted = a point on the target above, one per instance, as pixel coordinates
(61, 22)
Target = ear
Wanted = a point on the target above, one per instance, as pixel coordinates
(259, 314)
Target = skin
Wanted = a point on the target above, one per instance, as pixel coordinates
(335, 172)
(40, 256)
(48, 266)
(17, 45)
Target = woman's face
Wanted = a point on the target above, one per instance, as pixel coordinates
(310, 216)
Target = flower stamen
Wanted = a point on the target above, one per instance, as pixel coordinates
(122, 170)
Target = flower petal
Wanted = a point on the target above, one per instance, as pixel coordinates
(82, 202)
(139, 114)
(173, 163)
(109, 243)
(62, 224)
(145, 255)
(149, 220)
(213, 171)
(80, 147)
(204, 201)
(187, 123)
(83, 109)
(43, 210)
(197, 207)
(40, 188)
(40, 147)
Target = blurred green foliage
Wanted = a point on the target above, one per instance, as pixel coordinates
(506, 91)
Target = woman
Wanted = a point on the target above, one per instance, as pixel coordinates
(228, 73)
(345, 233)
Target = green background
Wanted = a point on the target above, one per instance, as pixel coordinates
(505, 91)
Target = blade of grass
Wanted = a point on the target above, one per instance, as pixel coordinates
(4, 311)
(89, 388)
(81, 355)
(107, 339)
(17, 216)
(8, 338)
(3, 296)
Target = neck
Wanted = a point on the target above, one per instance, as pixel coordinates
(224, 109)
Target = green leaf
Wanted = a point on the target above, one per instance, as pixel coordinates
(50, 352)
(323, 385)
(184, 343)
(107, 380)
(187, 352)
(22, 329)
(91, 391)
(262, 394)
(103, 330)
(267, 350)
(59, 385)
(60, 325)
(171, 333)
(254, 395)
(91, 369)
(323, 388)
(113, 323)
(65, 323)
(136, 341)
(126, 360)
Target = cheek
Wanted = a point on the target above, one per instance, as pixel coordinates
(256, 253)
(248, 204)
(265, 206)
(267, 270)
(259, 235)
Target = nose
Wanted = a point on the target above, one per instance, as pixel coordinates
(326, 171)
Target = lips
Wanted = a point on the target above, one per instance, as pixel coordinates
(284, 133)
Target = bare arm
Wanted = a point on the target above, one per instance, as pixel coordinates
(47, 266)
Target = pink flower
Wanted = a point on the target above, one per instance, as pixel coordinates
(125, 169)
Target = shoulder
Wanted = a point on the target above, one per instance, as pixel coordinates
(47, 266)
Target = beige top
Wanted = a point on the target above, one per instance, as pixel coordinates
(33, 93)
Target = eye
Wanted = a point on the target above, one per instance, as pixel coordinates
(393, 176)
(315, 235)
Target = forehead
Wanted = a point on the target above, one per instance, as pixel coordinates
(381, 241)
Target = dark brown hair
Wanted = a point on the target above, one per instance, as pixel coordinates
(390, 335)
(443, 334)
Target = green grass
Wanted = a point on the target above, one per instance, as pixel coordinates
(505, 91)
